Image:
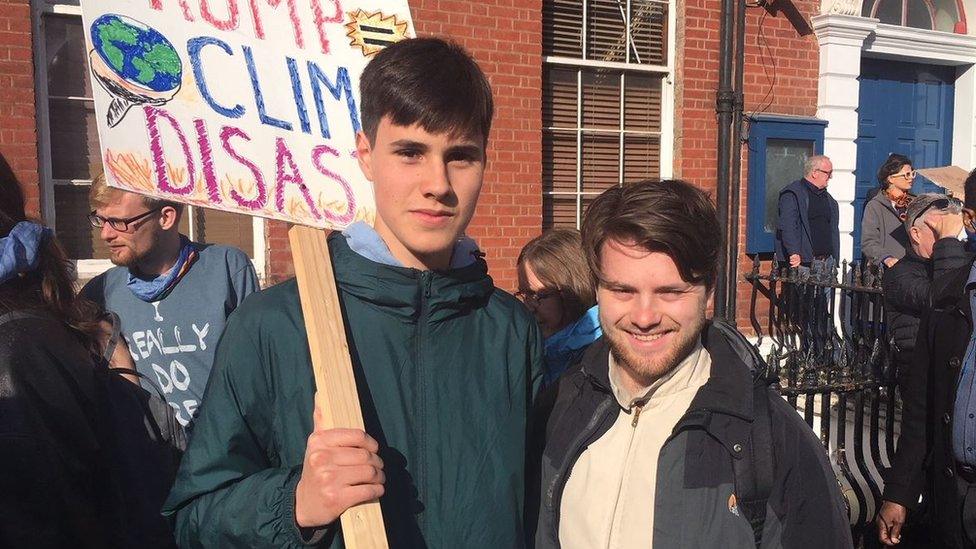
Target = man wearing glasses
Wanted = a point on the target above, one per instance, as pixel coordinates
(173, 295)
(807, 228)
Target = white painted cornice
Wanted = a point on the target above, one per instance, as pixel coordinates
(832, 28)
(910, 43)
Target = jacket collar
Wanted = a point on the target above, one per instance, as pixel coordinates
(407, 292)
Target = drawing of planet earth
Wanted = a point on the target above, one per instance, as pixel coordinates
(134, 63)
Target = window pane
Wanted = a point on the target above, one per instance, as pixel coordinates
(649, 32)
(559, 97)
(919, 16)
(217, 227)
(558, 211)
(562, 28)
(601, 161)
(642, 102)
(606, 30)
(601, 99)
(79, 238)
(642, 158)
(74, 138)
(889, 11)
(67, 66)
(784, 164)
(559, 161)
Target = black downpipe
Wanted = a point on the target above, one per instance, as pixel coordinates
(736, 151)
(724, 100)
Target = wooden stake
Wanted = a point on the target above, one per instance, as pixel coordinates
(362, 526)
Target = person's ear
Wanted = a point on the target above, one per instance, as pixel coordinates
(169, 217)
(914, 235)
(364, 154)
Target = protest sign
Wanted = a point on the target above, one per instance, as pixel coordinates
(243, 106)
(251, 107)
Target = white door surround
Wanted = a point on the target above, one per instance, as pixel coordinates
(844, 40)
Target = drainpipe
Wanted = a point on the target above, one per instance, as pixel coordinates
(724, 100)
(736, 151)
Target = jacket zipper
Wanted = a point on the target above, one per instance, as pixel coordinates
(638, 407)
(422, 320)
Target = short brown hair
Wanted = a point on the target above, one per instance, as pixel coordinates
(671, 217)
(558, 262)
(101, 194)
(427, 81)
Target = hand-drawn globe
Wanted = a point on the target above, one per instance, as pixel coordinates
(134, 63)
(136, 52)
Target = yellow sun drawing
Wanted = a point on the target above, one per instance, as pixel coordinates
(371, 32)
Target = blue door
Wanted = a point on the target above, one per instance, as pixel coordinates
(903, 108)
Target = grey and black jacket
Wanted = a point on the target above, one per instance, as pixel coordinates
(696, 467)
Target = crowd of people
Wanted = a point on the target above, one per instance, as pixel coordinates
(171, 402)
(924, 246)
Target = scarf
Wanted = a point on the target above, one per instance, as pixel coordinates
(900, 203)
(159, 287)
(19, 250)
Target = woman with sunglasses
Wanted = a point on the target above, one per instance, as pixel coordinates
(883, 236)
(555, 285)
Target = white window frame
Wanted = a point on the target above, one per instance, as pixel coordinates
(87, 268)
(665, 135)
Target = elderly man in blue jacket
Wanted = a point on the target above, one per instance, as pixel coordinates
(806, 230)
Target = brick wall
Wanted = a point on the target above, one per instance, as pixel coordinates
(18, 131)
(505, 37)
(793, 91)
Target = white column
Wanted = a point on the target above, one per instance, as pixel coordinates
(841, 39)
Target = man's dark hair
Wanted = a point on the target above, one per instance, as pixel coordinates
(671, 217)
(969, 188)
(891, 166)
(426, 81)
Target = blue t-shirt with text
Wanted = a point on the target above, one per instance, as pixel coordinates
(173, 340)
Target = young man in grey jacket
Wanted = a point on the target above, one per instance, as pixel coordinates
(666, 434)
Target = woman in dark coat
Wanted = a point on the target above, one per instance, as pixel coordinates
(883, 236)
(57, 488)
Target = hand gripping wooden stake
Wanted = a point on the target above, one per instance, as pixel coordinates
(362, 525)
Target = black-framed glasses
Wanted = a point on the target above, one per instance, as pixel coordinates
(907, 176)
(121, 225)
(829, 174)
(534, 298)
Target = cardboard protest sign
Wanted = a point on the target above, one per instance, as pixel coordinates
(243, 106)
(950, 178)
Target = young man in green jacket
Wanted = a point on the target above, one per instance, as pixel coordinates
(446, 363)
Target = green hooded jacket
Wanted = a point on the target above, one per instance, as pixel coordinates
(447, 366)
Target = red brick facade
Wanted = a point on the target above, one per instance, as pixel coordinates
(773, 47)
(18, 130)
(505, 36)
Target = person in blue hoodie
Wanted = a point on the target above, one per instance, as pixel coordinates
(555, 285)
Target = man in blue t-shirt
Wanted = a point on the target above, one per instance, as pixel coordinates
(173, 295)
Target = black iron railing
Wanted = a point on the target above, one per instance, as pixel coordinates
(823, 334)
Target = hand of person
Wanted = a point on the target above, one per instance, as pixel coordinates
(341, 470)
(890, 519)
(121, 358)
(794, 260)
(945, 225)
(890, 261)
